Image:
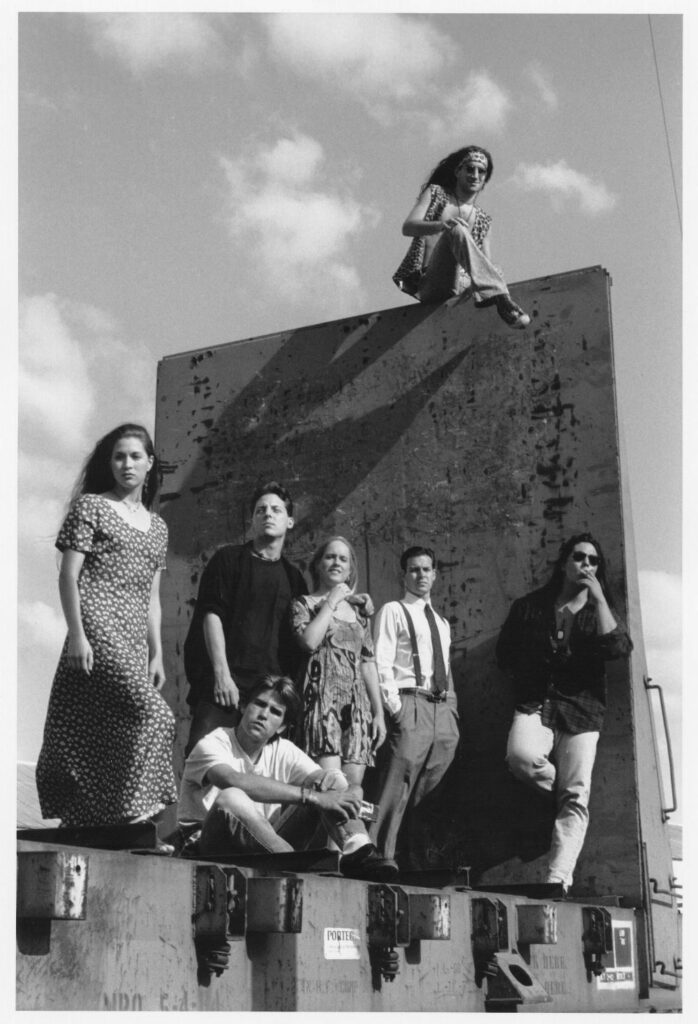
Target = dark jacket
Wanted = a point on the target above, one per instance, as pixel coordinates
(572, 679)
(225, 590)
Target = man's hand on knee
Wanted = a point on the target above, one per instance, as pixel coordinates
(341, 805)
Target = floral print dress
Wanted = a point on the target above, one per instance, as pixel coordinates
(336, 707)
(107, 749)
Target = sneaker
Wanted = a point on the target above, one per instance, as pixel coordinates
(366, 863)
(511, 313)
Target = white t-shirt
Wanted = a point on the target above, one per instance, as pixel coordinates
(280, 760)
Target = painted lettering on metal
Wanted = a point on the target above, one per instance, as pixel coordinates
(122, 1001)
(342, 944)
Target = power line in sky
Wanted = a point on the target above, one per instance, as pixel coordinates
(666, 130)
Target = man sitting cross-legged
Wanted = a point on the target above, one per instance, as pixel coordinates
(249, 790)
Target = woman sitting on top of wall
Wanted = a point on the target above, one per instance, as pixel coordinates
(450, 253)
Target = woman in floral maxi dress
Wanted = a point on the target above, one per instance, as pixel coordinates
(106, 756)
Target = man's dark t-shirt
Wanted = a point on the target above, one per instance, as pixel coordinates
(251, 596)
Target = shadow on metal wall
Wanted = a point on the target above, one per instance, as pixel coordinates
(266, 432)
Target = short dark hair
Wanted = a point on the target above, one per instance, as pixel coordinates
(272, 487)
(415, 552)
(282, 688)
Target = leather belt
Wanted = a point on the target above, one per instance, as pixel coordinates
(433, 698)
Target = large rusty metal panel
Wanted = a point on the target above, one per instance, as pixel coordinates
(432, 425)
(135, 951)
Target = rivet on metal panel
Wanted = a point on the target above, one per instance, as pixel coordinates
(51, 885)
(597, 939)
(536, 924)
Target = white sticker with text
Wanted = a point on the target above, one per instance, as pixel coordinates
(342, 944)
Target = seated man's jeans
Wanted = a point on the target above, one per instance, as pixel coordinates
(235, 825)
(457, 266)
(558, 762)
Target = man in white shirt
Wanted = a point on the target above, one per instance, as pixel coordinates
(412, 655)
(249, 790)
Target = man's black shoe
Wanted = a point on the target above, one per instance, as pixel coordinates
(365, 863)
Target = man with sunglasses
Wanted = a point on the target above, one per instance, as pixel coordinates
(554, 645)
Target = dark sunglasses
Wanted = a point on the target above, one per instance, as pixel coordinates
(579, 556)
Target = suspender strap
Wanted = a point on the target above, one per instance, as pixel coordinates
(415, 651)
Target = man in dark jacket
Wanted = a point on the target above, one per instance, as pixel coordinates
(240, 628)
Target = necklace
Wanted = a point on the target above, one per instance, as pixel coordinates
(461, 203)
(130, 506)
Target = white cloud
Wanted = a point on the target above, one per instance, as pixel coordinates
(78, 378)
(40, 626)
(562, 182)
(55, 395)
(480, 104)
(149, 40)
(539, 78)
(299, 233)
(294, 161)
(377, 57)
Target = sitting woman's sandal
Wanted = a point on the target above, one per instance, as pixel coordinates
(511, 314)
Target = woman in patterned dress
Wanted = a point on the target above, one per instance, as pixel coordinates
(106, 756)
(450, 252)
(342, 722)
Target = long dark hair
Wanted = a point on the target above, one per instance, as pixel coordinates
(558, 575)
(96, 476)
(444, 174)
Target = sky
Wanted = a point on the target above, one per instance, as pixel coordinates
(190, 179)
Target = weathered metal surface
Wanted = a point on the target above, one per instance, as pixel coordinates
(430, 915)
(51, 885)
(536, 923)
(437, 426)
(135, 951)
(275, 905)
(513, 984)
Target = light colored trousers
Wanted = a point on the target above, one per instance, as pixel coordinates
(235, 824)
(422, 742)
(559, 762)
(456, 265)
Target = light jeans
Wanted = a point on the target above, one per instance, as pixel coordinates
(235, 825)
(552, 760)
(456, 265)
